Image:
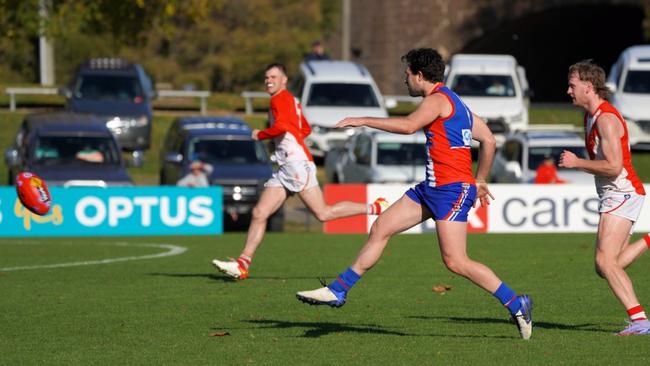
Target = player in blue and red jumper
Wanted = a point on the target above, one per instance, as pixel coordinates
(446, 195)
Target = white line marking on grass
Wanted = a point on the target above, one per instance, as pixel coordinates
(172, 250)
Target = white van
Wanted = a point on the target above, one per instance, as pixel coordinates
(330, 91)
(494, 87)
(629, 81)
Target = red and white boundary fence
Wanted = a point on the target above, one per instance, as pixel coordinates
(517, 208)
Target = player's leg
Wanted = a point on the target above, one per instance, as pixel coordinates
(402, 215)
(613, 232)
(270, 201)
(314, 200)
(452, 238)
(633, 251)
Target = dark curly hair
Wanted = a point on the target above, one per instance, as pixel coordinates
(589, 71)
(425, 60)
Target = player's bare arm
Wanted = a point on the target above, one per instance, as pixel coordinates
(487, 147)
(610, 131)
(431, 108)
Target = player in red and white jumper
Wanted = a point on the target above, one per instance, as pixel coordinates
(619, 189)
(296, 175)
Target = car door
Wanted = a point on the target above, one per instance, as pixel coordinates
(358, 168)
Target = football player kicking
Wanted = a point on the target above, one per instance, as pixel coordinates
(447, 193)
(296, 175)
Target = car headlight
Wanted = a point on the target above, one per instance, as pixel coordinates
(139, 122)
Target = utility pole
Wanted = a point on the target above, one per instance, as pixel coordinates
(345, 39)
(45, 48)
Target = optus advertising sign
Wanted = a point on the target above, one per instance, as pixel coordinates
(517, 208)
(116, 211)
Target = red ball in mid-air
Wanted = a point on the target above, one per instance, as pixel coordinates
(33, 193)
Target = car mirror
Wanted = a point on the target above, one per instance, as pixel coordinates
(66, 92)
(173, 158)
(390, 103)
(611, 86)
(11, 157)
(137, 159)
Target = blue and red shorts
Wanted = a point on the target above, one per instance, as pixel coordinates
(450, 202)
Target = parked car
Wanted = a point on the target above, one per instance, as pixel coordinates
(67, 150)
(494, 87)
(518, 158)
(330, 91)
(374, 156)
(629, 81)
(240, 164)
(118, 92)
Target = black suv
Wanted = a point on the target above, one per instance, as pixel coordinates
(67, 150)
(240, 164)
(120, 93)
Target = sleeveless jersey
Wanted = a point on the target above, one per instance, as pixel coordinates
(449, 138)
(627, 181)
(288, 129)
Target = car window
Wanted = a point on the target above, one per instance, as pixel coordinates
(341, 95)
(512, 151)
(536, 155)
(74, 149)
(362, 150)
(221, 151)
(108, 87)
(401, 153)
(637, 81)
(483, 85)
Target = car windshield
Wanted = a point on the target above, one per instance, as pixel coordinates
(105, 87)
(637, 82)
(341, 95)
(483, 85)
(536, 155)
(221, 151)
(401, 153)
(54, 150)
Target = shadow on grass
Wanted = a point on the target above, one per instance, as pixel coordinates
(225, 278)
(319, 329)
(536, 324)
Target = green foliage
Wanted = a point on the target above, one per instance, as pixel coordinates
(163, 311)
(219, 45)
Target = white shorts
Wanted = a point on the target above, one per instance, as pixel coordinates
(295, 176)
(626, 205)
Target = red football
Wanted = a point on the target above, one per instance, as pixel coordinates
(33, 193)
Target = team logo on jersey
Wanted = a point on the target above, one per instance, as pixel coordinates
(467, 137)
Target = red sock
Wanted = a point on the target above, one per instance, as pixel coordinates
(636, 313)
(244, 261)
(646, 237)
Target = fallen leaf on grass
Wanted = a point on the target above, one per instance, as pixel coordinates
(441, 289)
(219, 334)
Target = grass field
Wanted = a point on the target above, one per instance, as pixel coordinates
(164, 310)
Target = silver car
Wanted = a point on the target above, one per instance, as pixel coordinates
(373, 156)
(521, 154)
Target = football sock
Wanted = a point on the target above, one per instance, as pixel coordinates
(636, 313)
(344, 281)
(375, 208)
(244, 261)
(508, 298)
(646, 237)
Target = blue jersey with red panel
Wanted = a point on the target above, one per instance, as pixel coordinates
(449, 158)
